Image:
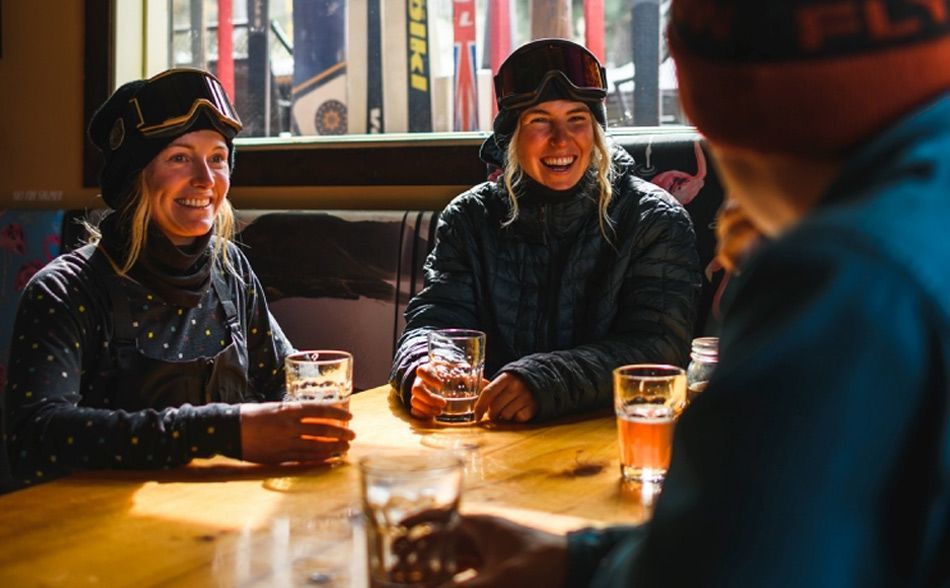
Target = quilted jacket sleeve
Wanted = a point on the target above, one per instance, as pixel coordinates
(448, 300)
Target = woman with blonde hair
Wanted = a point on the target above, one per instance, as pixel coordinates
(570, 263)
(154, 345)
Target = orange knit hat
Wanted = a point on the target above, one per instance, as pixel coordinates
(806, 77)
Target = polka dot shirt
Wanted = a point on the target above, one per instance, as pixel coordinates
(58, 415)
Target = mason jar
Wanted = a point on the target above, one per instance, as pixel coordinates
(703, 358)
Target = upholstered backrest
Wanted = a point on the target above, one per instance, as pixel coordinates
(28, 240)
(678, 163)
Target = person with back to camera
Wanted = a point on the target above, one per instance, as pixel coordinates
(569, 263)
(819, 454)
(155, 345)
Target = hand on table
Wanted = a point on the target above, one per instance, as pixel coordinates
(505, 554)
(277, 432)
(506, 398)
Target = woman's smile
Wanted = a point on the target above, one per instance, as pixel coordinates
(559, 164)
(194, 202)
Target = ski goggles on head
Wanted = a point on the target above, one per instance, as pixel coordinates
(522, 76)
(170, 101)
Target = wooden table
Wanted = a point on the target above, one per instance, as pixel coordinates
(221, 522)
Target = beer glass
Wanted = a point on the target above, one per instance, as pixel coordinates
(322, 376)
(647, 400)
(458, 357)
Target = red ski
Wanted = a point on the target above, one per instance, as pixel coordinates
(466, 98)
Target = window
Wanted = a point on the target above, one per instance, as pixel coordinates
(373, 92)
(331, 67)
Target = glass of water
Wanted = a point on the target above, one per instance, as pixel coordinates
(409, 502)
(458, 358)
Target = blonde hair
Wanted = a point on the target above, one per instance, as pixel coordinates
(139, 216)
(600, 162)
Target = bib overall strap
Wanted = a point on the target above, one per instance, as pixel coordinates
(224, 295)
(123, 333)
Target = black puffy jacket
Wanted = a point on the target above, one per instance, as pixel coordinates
(561, 306)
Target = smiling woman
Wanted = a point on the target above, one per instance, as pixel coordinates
(154, 344)
(570, 263)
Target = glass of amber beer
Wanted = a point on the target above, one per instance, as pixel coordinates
(647, 399)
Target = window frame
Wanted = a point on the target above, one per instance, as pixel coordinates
(332, 169)
(392, 160)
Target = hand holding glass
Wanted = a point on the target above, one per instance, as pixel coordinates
(410, 502)
(647, 400)
(458, 358)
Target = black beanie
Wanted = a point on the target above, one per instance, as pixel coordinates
(554, 88)
(126, 151)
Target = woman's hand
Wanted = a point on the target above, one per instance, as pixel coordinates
(506, 398)
(277, 432)
(424, 403)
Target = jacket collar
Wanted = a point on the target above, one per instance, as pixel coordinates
(545, 213)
